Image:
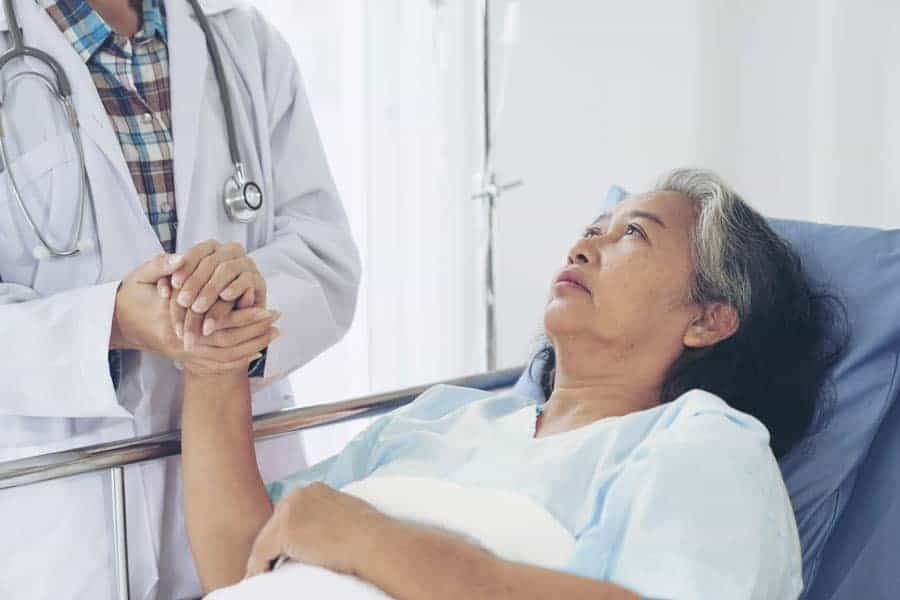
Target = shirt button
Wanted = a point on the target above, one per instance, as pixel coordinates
(147, 118)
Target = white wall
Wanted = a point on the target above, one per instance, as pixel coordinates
(791, 102)
(392, 84)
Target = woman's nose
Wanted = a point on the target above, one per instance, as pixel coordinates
(581, 254)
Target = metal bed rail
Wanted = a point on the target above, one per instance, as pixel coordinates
(115, 456)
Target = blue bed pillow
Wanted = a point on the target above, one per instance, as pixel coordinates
(862, 267)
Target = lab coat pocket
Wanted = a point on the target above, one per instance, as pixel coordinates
(49, 180)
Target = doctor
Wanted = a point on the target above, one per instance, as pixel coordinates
(88, 353)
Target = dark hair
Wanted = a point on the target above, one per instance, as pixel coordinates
(776, 365)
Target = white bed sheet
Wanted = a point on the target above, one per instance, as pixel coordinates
(511, 526)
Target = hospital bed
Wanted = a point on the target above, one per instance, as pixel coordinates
(843, 478)
(115, 456)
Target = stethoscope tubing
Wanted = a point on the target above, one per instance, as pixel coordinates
(75, 247)
(221, 81)
(62, 93)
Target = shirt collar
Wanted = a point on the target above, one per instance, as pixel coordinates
(154, 21)
(87, 31)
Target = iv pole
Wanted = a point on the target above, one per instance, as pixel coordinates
(490, 189)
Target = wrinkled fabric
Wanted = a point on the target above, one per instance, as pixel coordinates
(684, 500)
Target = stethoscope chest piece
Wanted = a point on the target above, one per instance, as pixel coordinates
(242, 198)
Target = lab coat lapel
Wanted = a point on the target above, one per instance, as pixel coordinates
(188, 62)
(92, 118)
(124, 233)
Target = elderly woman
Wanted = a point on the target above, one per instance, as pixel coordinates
(686, 351)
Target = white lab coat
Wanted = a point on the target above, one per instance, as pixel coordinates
(55, 316)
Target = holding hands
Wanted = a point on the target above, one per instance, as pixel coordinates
(206, 309)
(212, 279)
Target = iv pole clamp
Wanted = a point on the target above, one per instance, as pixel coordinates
(491, 190)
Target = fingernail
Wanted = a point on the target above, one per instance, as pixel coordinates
(179, 330)
(256, 356)
(199, 305)
(275, 335)
(184, 299)
(263, 315)
(209, 325)
(174, 259)
(188, 340)
(228, 295)
(164, 291)
(277, 316)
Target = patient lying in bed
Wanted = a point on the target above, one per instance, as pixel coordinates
(627, 481)
(606, 500)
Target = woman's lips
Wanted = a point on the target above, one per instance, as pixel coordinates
(572, 278)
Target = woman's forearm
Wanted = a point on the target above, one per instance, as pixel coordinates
(411, 561)
(225, 502)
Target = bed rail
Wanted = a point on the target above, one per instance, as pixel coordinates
(115, 456)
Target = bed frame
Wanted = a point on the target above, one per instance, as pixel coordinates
(115, 456)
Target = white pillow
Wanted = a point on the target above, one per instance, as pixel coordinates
(512, 526)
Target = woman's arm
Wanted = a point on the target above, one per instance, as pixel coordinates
(321, 526)
(411, 561)
(225, 502)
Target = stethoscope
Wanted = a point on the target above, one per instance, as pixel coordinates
(242, 198)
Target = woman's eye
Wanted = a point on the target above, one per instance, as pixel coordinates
(631, 229)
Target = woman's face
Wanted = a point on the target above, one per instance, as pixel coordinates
(627, 280)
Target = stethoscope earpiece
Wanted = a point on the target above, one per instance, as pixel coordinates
(41, 253)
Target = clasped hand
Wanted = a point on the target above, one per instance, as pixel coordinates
(205, 309)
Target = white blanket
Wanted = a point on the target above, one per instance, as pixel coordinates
(512, 526)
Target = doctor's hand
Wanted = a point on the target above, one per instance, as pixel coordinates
(142, 321)
(213, 280)
(320, 526)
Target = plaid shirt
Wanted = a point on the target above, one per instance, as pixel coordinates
(132, 78)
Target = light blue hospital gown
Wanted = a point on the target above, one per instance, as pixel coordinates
(681, 501)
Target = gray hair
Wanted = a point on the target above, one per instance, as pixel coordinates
(725, 239)
(777, 364)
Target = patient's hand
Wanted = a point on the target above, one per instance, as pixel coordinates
(244, 334)
(317, 525)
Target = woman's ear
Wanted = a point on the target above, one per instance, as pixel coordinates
(717, 322)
